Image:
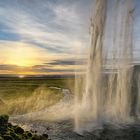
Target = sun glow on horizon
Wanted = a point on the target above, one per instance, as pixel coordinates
(21, 76)
(22, 58)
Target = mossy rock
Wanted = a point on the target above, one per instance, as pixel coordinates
(15, 136)
(10, 125)
(4, 120)
(10, 129)
(3, 129)
(1, 138)
(27, 134)
(14, 132)
(19, 130)
(8, 137)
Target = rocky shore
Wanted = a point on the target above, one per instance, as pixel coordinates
(14, 132)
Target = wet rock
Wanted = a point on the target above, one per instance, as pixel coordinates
(11, 132)
(29, 134)
(45, 135)
(19, 130)
(36, 137)
(7, 137)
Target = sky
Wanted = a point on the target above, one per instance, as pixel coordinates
(43, 36)
(48, 37)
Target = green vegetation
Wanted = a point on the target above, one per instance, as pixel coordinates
(16, 86)
(18, 96)
(11, 132)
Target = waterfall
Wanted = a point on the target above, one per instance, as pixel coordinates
(105, 93)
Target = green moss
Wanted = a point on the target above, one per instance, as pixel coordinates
(7, 137)
(1, 138)
(15, 136)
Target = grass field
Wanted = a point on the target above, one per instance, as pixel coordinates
(22, 95)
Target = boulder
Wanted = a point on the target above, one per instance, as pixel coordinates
(19, 130)
(45, 135)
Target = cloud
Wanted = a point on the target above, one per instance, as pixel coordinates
(54, 32)
(68, 62)
(8, 67)
(24, 58)
(39, 70)
(53, 25)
